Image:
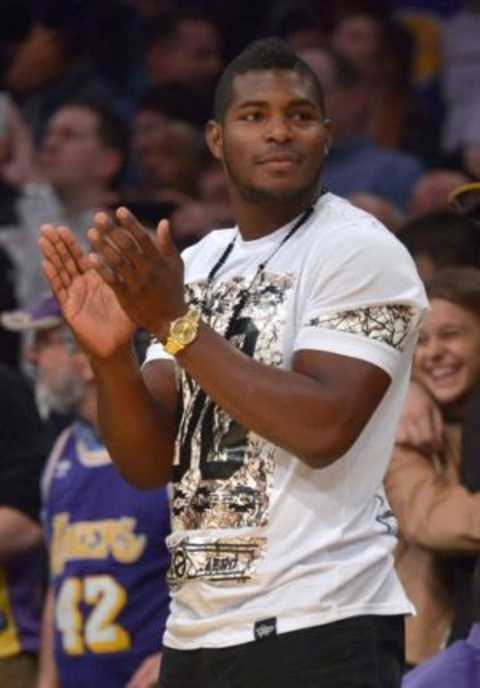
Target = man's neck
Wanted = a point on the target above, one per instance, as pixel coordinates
(258, 220)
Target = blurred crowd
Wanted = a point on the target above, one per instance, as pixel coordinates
(104, 104)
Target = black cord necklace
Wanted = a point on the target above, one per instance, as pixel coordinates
(246, 291)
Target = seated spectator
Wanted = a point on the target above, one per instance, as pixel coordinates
(436, 514)
(81, 157)
(108, 601)
(382, 50)
(22, 579)
(52, 65)
(297, 22)
(440, 240)
(432, 191)
(167, 153)
(185, 48)
(461, 76)
(355, 162)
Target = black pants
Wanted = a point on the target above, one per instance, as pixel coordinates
(361, 652)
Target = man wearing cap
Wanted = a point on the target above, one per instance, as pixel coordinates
(107, 601)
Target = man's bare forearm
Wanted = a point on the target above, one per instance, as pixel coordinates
(315, 419)
(138, 431)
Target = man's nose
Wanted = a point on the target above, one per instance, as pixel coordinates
(279, 130)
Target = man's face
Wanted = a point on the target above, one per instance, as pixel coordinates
(359, 37)
(163, 152)
(71, 151)
(192, 58)
(58, 382)
(346, 106)
(272, 140)
(200, 54)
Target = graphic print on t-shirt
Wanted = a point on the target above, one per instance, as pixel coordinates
(223, 474)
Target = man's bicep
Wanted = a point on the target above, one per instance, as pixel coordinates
(160, 380)
(355, 386)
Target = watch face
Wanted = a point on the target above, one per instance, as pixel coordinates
(183, 330)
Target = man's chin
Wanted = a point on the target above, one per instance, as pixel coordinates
(275, 193)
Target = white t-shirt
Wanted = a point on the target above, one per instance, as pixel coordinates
(257, 534)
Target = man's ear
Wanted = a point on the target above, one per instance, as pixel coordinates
(214, 139)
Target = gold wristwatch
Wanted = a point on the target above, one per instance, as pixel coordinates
(183, 331)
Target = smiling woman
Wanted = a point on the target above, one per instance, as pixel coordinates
(447, 360)
(436, 514)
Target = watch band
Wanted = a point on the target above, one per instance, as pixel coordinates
(183, 331)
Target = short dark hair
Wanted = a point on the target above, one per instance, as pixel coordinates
(263, 55)
(444, 237)
(113, 132)
(460, 286)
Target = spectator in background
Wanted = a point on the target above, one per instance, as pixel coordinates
(81, 158)
(440, 240)
(22, 562)
(422, 427)
(366, 33)
(51, 64)
(299, 23)
(461, 76)
(167, 154)
(185, 48)
(107, 604)
(432, 191)
(437, 516)
(355, 162)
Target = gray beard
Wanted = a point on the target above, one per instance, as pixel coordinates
(66, 399)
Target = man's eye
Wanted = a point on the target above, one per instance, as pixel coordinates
(302, 116)
(252, 116)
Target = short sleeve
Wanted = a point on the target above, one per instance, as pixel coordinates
(362, 298)
(156, 352)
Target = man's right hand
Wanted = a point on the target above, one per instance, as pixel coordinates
(89, 306)
(421, 424)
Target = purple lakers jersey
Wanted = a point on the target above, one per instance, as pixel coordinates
(21, 598)
(108, 562)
